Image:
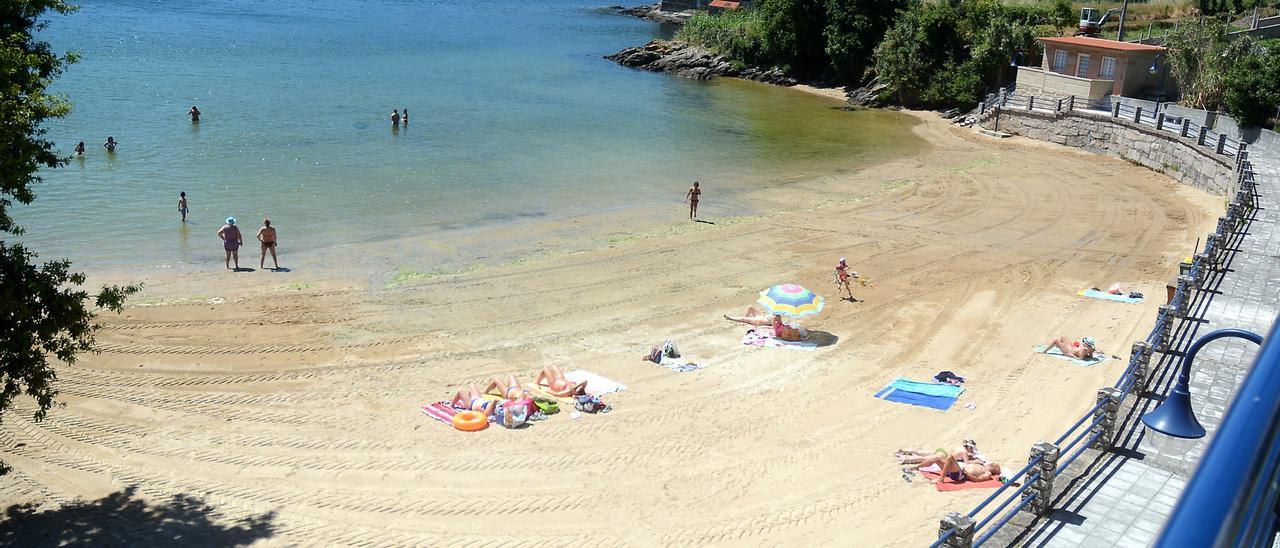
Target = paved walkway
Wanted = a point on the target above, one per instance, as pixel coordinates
(1122, 497)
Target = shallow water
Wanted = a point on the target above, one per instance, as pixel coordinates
(515, 117)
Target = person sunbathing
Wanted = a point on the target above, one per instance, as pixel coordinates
(1082, 350)
(470, 397)
(781, 330)
(967, 452)
(558, 385)
(509, 388)
(957, 471)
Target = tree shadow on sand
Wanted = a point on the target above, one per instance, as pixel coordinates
(121, 519)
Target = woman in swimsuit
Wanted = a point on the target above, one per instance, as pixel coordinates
(558, 385)
(1082, 350)
(957, 471)
(80, 149)
(470, 397)
(692, 199)
(231, 241)
(781, 330)
(508, 388)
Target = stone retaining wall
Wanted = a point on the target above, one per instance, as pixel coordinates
(1164, 152)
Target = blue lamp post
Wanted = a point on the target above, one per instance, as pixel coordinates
(1155, 64)
(1174, 417)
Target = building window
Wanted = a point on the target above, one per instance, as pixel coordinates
(1108, 69)
(1082, 66)
(1059, 60)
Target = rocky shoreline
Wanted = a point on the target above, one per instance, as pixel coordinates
(654, 13)
(688, 61)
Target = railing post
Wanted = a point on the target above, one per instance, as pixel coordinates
(1137, 115)
(1205, 264)
(963, 537)
(1031, 103)
(1183, 304)
(1115, 110)
(1204, 134)
(1071, 102)
(1058, 109)
(1222, 143)
(1164, 318)
(1042, 487)
(1105, 416)
(1141, 353)
(1160, 121)
(1186, 127)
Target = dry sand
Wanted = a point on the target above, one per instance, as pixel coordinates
(301, 402)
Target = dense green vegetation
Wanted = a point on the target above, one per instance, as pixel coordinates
(43, 312)
(1252, 92)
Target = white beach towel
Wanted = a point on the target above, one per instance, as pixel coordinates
(679, 364)
(596, 385)
(750, 339)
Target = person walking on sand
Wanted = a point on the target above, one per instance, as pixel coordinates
(267, 235)
(194, 113)
(80, 149)
(182, 205)
(110, 145)
(692, 199)
(231, 241)
(395, 117)
(843, 277)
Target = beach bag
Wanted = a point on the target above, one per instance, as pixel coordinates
(512, 415)
(546, 406)
(655, 355)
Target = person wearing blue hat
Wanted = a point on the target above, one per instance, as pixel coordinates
(231, 241)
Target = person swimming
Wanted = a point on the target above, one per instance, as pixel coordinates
(110, 145)
(80, 149)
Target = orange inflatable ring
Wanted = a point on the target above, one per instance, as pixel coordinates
(470, 421)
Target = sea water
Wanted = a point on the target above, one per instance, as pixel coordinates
(515, 117)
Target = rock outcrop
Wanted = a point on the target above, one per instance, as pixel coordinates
(655, 13)
(682, 59)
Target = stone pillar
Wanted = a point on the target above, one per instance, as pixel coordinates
(1058, 109)
(1115, 110)
(1042, 487)
(1222, 144)
(1071, 102)
(963, 537)
(1183, 304)
(1031, 103)
(1105, 416)
(1186, 127)
(1164, 318)
(1141, 353)
(1204, 134)
(1202, 274)
(1160, 121)
(1137, 115)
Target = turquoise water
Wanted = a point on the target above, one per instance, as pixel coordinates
(515, 117)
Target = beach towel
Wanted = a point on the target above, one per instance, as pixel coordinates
(1094, 294)
(541, 391)
(679, 365)
(904, 391)
(442, 411)
(927, 388)
(751, 339)
(1098, 357)
(596, 385)
(947, 485)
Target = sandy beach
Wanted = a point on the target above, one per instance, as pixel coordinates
(294, 402)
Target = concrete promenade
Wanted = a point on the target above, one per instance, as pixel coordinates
(1123, 497)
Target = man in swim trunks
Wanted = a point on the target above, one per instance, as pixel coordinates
(957, 471)
(1082, 350)
(395, 117)
(231, 241)
(558, 385)
(194, 113)
(182, 205)
(267, 236)
(692, 199)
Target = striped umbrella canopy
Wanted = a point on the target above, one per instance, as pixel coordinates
(790, 300)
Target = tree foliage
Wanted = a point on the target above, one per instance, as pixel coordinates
(944, 54)
(43, 311)
(1200, 56)
(1252, 92)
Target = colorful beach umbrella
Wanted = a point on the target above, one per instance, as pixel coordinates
(790, 300)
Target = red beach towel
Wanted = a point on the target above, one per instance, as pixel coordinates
(442, 411)
(947, 485)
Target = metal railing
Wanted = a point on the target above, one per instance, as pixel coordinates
(1096, 427)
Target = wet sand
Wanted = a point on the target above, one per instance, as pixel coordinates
(294, 401)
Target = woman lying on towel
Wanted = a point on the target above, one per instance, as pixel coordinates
(1082, 350)
(509, 388)
(967, 452)
(558, 385)
(957, 471)
(470, 397)
(784, 331)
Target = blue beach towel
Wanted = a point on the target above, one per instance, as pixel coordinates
(1098, 357)
(1103, 295)
(923, 394)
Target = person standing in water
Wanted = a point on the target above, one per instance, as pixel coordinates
(692, 199)
(231, 241)
(267, 236)
(405, 118)
(395, 117)
(110, 145)
(80, 149)
(182, 205)
(194, 113)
